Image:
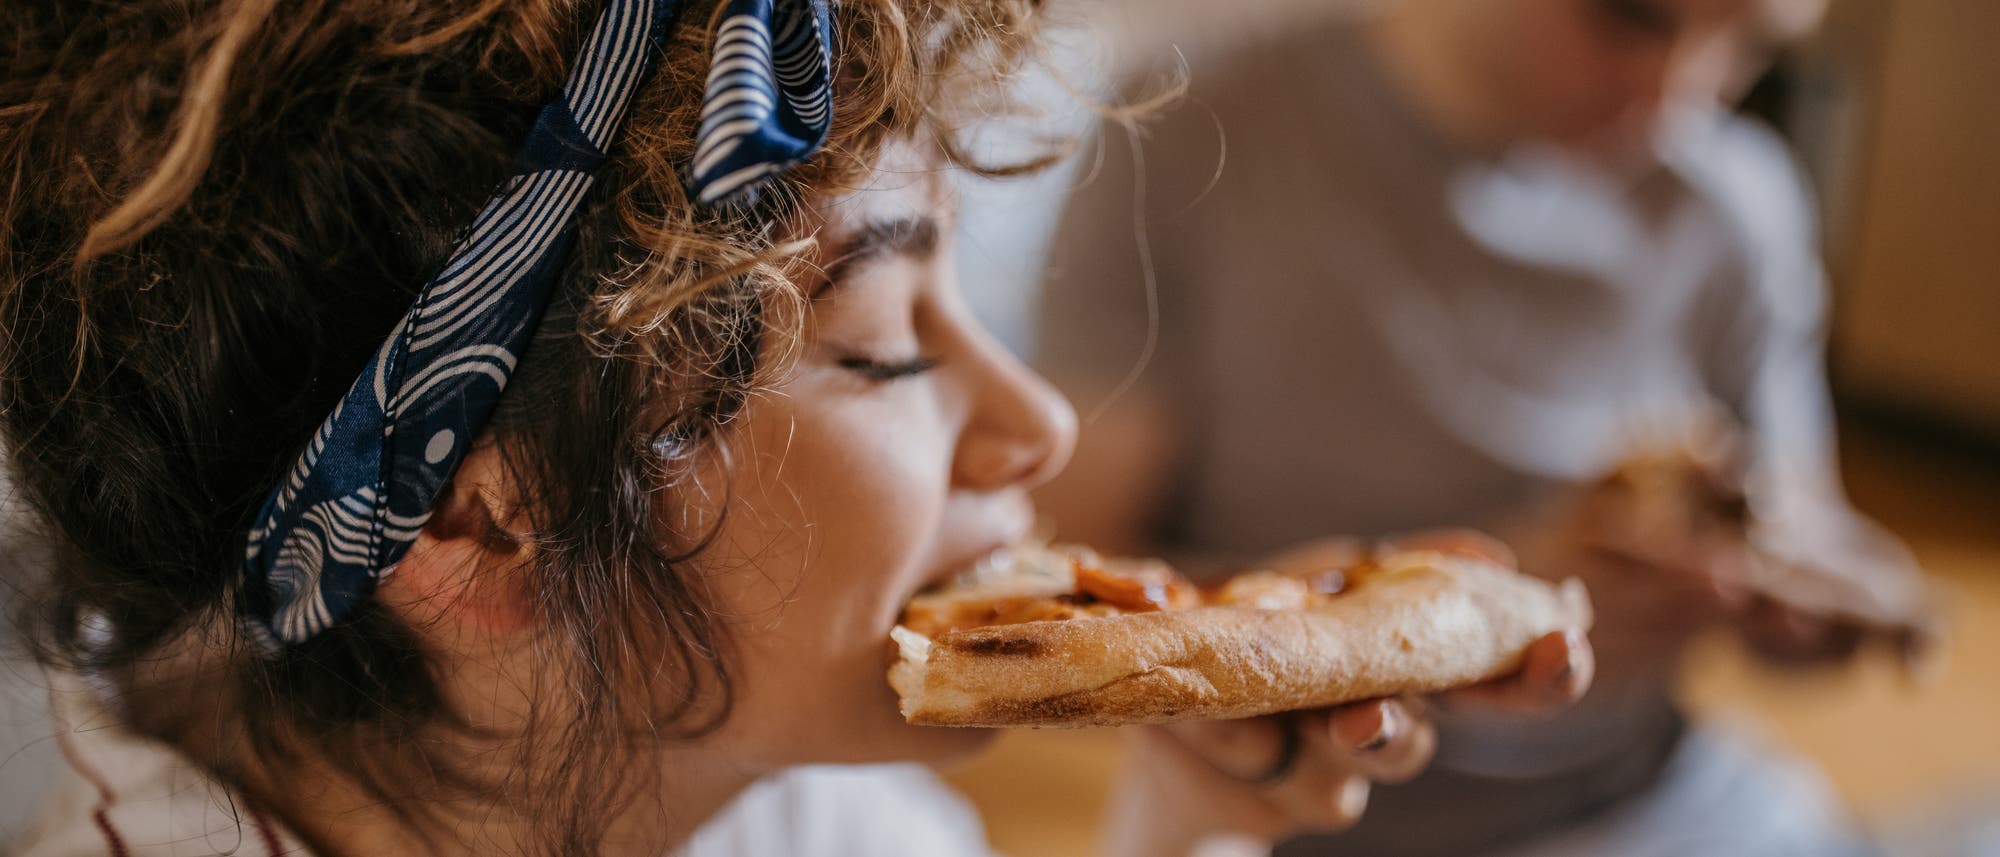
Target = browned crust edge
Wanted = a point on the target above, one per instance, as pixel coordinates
(1431, 626)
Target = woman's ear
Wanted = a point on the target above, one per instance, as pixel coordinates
(464, 575)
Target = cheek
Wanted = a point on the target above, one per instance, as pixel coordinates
(1563, 68)
(840, 507)
(831, 525)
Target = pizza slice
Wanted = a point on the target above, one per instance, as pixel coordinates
(1040, 636)
(1665, 498)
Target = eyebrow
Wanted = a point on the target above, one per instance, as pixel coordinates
(913, 237)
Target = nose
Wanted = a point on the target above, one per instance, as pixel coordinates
(1694, 72)
(1649, 84)
(1020, 431)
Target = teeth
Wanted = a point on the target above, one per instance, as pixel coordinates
(1015, 565)
(995, 564)
(910, 644)
(998, 559)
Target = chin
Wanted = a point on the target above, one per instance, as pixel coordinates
(947, 745)
(932, 745)
(874, 733)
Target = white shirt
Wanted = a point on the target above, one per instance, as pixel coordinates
(157, 803)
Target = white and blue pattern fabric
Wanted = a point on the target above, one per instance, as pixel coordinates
(770, 96)
(365, 486)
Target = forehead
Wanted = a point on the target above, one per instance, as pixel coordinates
(909, 182)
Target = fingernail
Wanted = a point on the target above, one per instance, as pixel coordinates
(1352, 800)
(1385, 730)
(1573, 644)
(1572, 676)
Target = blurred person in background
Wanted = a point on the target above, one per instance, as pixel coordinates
(1446, 263)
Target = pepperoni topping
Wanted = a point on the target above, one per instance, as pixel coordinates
(1143, 589)
(934, 617)
(1466, 543)
(1264, 590)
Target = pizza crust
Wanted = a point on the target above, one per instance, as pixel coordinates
(1427, 622)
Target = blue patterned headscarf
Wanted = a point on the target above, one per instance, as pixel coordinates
(364, 487)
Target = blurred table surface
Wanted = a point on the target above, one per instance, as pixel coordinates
(1894, 752)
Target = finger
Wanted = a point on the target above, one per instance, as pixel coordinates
(1326, 791)
(1780, 633)
(1402, 747)
(1922, 650)
(1363, 726)
(1171, 759)
(1844, 638)
(1248, 751)
(1721, 569)
(1555, 671)
(1787, 634)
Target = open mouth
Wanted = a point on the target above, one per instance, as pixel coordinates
(1029, 558)
(1025, 568)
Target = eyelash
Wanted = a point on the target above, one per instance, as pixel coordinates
(888, 370)
(1637, 16)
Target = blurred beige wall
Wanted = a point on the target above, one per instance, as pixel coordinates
(1005, 225)
(1917, 321)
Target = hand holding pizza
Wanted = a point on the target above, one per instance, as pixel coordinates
(1263, 704)
(1205, 787)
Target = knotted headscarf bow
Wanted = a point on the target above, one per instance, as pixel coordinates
(365, 486)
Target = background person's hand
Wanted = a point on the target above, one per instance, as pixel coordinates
(1670, 549)
(1650, 602)
(1822, 592)
(1661, 541)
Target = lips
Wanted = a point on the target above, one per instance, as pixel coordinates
(962, 564)
(1002, 521)
(970, 563)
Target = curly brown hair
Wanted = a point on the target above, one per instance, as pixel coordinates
(214, 211)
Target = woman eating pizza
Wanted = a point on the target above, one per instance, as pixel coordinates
(516, 428)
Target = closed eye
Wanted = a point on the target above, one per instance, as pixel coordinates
(887, 370)
(1640, 16)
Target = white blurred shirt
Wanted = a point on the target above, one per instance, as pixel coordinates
(160, 804)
